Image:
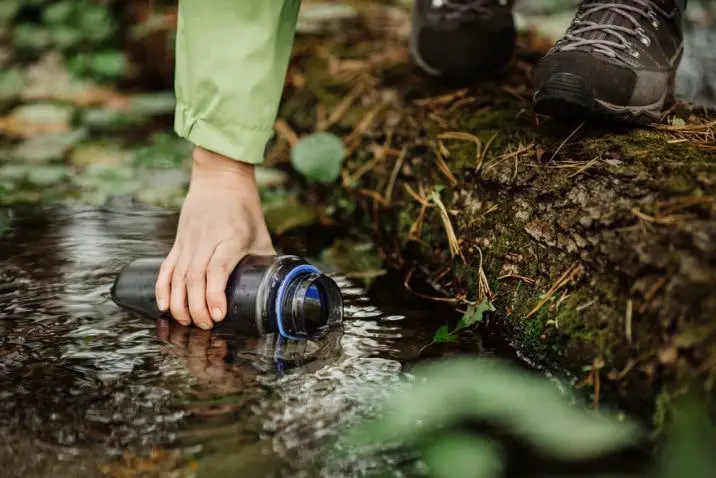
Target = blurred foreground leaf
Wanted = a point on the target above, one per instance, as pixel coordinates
(463, 455)
(319, 157)
(691, 441)
(453, 392)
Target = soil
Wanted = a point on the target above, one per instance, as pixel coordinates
(595, 243)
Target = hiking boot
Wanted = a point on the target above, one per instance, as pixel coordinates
(461, 40)
(617, 61)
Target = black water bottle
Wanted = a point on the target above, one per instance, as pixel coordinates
(265, 294)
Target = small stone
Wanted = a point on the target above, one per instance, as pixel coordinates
(97, 153)
(48, 147)
(12, 82)
(668, 355)
(47, 175)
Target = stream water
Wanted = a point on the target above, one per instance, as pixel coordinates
(83, 381)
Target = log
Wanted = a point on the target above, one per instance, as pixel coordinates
(595, 244)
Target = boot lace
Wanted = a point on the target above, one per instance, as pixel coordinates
(617, 36)
(458, 9)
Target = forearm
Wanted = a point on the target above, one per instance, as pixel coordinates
(231, 64)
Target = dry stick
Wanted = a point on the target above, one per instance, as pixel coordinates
(441, 100)
(394, 175)
(597, 383)
(417, 228)
(566, 140)
(481, 160)
(678, 205)
(367, 166)
(462, 136)
(584, 168)
(520, 149)
(564, 279)
(406, 284)
(342, 107)
(518, 277)
(651, 293)
(352, 139)
(452, 238)
(483, 286)
(442, 165)
(284, 130)
(627, 321)
(662, 220)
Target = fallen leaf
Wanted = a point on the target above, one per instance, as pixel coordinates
(319, 156)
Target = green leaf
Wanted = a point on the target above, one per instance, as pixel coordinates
(42, 175)
(8, 10)
(528, 406)
(319, 157)
(96, 22)
(58, 13)
(30, 37)
(463, 455)
(443, 335)
(109, 64)
(12, 81)
(48, 147)
(691, 439)
(65, 37)
(475, 314)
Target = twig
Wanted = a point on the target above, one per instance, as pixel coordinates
(442, 165)
(342, 107)
(564, 279)
(627, 321)
(452, 238)
(463, 136)
(406, 284)
(566, 140)
(394, 175)
(518, 277)
(285, 131)
(584, 168)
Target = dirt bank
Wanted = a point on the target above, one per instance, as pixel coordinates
(596, 245)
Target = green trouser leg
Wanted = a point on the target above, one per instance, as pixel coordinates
(231, 63)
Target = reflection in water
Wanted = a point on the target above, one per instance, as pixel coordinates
(83, 379)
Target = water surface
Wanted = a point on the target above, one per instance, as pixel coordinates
(85, 382)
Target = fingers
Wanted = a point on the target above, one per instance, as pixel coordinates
(196, 290)
(177, 301)
(220, 266)
(162, 289)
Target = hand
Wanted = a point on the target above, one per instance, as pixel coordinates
(205, 356)
(221, 221)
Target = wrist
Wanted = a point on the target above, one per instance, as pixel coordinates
(215, 166)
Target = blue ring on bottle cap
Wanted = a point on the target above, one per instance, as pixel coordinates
(299, 270)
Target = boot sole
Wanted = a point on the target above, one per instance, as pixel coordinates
(565, 96)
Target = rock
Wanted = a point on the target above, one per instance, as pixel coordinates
(30, 120)
(49, 175)
(97, 153)
(12, 82)
(152, 104)
(48, 147)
